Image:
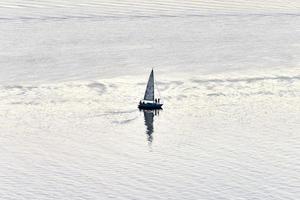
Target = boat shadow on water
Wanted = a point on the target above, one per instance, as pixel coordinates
(148, 121)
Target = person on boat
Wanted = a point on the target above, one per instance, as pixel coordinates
(155, 100)
(158, 100)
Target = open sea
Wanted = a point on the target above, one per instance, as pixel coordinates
(73, 72)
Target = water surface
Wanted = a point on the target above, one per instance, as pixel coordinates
(72, 74)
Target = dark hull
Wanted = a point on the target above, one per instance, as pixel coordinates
(150, 106)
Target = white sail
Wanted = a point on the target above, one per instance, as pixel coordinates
(149, 93)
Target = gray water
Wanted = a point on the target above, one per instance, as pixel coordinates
(72, 73)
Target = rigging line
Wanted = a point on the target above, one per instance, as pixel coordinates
(157, 89)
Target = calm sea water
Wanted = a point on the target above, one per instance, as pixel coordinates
(72, 73)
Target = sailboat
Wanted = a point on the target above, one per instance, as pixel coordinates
(150, 102)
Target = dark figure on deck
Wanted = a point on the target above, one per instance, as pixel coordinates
(158, 100)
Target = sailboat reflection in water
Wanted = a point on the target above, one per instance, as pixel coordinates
(150, 106)
(149, 119)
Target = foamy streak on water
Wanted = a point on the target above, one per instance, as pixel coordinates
(91, 9)
(101, 93)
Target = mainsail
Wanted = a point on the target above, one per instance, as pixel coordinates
(149, 93)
